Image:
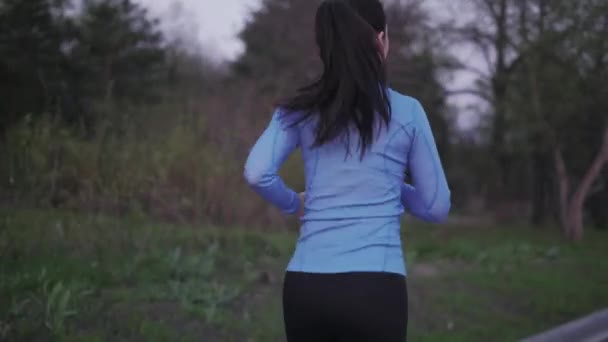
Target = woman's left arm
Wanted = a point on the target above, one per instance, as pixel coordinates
(268, 154)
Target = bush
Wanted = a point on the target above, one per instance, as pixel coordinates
(141, 161)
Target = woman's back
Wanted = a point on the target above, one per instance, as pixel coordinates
(340, 185)
(353, 204)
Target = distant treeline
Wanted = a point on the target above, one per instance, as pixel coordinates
(100, 112)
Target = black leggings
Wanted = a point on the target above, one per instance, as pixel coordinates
(345, 307)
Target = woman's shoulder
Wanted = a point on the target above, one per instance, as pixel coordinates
(288, 118)
(405, 109)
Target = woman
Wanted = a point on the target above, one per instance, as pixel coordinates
(346, 280)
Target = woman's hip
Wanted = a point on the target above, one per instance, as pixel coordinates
(357, 306)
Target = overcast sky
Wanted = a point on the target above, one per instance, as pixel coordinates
(212, 26)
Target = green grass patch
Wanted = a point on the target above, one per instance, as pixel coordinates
(69, 277)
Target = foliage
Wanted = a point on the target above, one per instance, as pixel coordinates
(118, 51)
(31, 62)
(136, 279)
(175, 172)
(111, 49)
(100, 113)
(544, 90)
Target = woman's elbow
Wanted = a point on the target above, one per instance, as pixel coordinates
(440, 211)
(252, 177)
(256, 177)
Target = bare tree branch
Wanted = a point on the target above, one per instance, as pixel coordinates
(474, 70)
(489, 4)
(475, 92)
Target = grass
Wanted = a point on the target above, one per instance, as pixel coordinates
(67, 277)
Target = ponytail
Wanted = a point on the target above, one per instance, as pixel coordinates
(352, 90)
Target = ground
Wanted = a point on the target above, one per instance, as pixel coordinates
(69, 277)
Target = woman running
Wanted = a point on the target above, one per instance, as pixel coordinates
(346, 279)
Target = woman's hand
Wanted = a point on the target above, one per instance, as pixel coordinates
(302, 196)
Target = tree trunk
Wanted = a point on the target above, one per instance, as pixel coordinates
(539, 191)
(579, 197)
(575, 228)
(563, 184)
(596, 204)
(499, 90)
(572, 209)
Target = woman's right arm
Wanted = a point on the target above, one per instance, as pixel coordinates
(266, 157)
(428, 197)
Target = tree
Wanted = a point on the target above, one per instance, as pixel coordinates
(280, 46)
(566, 41)
(60, 64)
(530, 48)
(32, 66)
(489, 32)
(118, 51)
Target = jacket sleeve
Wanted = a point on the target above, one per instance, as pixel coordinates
(265, 159)
(428, 197)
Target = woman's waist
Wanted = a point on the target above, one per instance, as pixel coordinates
(357, 213)
(358, 231)
(350, 245)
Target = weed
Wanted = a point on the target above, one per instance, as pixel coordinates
(157, 282)
(52, 302)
